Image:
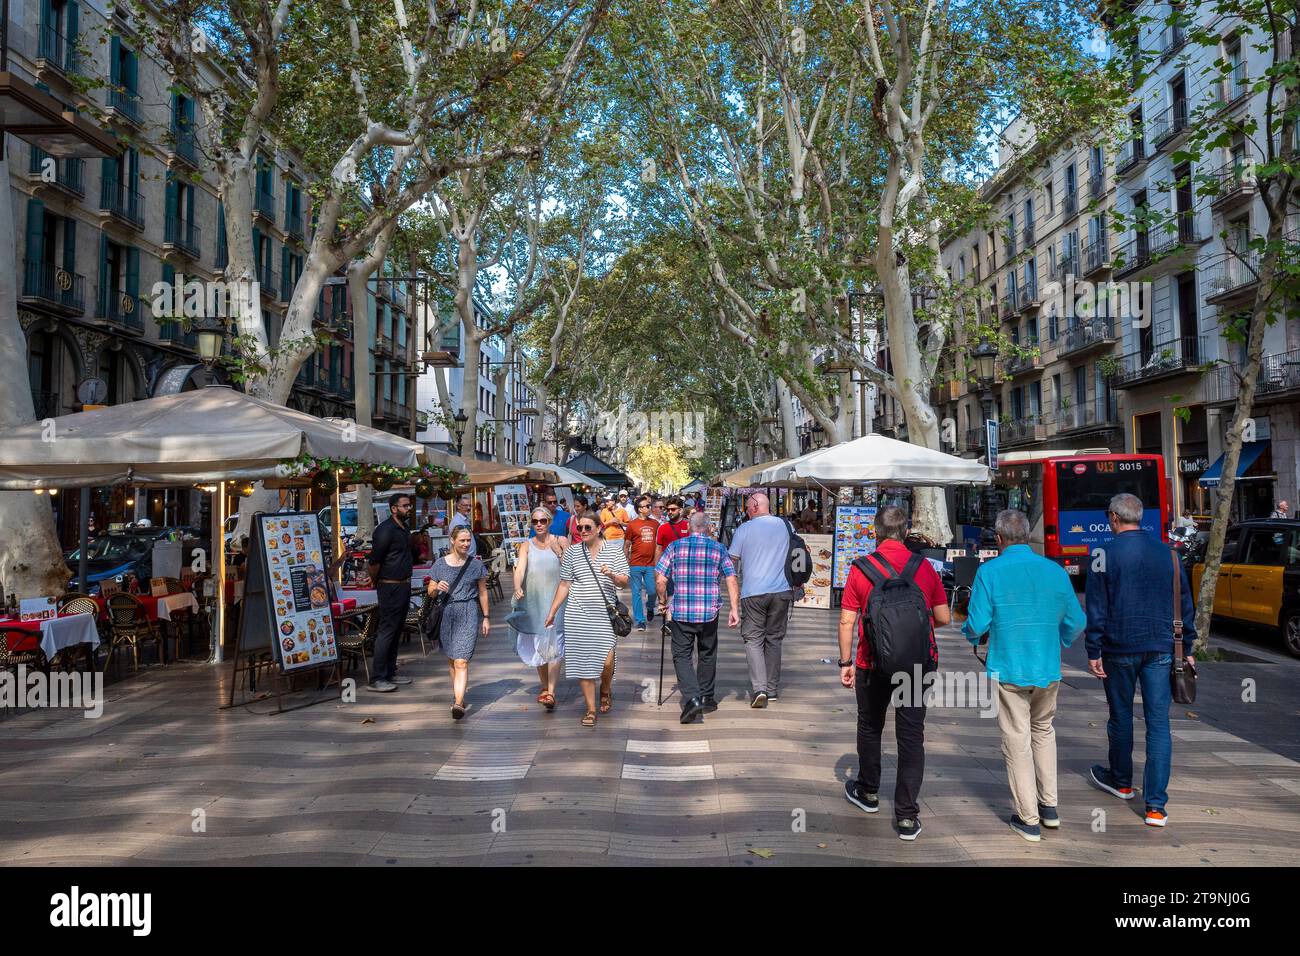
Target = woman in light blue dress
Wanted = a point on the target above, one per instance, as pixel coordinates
(537, 575)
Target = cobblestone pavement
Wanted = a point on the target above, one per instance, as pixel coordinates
(390, 779)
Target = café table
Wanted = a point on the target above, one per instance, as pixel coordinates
(55, 634)
(362, 596)
(159, 608)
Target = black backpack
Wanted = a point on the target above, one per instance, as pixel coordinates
(897, 619)
(798, 561)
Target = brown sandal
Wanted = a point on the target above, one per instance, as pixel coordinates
(589, 719)
(606, 701)
(546, 699)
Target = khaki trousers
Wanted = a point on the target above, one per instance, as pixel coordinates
(1025, 716)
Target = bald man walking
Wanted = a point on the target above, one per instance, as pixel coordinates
(761, 546)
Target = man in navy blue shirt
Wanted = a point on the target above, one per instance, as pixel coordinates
(1130, 642)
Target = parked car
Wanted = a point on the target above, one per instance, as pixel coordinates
(1259, 577)
(130, 551)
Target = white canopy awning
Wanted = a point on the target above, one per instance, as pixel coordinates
(207, 434)
(875, 459)
(567, 476)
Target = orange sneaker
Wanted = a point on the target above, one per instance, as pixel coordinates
(1157, 818)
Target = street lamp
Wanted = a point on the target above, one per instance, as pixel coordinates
(460, 419)
(530, 448)
(212, 336)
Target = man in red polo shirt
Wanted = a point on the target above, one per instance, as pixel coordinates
(874, 687)
(677, 526)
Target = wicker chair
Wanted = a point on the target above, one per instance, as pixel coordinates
(74, 603)
(131, 626)
(415, 620)
(179, 618)
(358, 640)
(11, 637)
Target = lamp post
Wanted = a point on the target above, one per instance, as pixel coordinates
(986, 356)
(460, 419)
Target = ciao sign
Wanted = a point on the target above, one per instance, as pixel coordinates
(1193, 465)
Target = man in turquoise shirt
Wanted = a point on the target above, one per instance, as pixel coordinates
(1025, 604)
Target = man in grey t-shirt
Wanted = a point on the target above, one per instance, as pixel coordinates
(761, 546)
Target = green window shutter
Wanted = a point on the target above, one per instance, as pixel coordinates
(284, 274)
(170, 331)
(257, 250)
(103, 293)
(129, 74)
(173, 195)
(115, 61)
(70, 254)
(73, 22)
(133, 271)
(35, 232)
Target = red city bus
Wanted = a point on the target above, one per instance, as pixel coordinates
(1066, 495)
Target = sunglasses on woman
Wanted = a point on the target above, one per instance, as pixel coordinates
(586, 528)
(541, 521)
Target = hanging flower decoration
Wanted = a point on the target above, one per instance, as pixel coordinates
(439, 481)
(424, 488)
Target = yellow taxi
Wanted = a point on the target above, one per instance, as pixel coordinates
(1259, 578)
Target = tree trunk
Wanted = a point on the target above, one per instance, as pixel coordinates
(1233, 440)
(31, 561)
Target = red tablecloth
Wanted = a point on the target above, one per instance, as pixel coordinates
(150, 605)
(31, 640)
(347, 604)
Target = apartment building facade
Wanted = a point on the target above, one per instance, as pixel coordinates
(96, 237)
(1130, 372)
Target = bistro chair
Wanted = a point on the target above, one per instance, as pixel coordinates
(415, 615)
(357, 640)
(130, 626)
(494, 577)
(78, 604)
(9, 660)
(185, 617)
(963, 577)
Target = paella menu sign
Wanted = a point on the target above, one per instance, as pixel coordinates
(512, 509)
(817, 592)
(302, 629)
(855, 535)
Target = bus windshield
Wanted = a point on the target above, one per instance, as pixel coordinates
(1089, 485)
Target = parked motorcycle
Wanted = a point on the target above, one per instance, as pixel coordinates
(1189, 544)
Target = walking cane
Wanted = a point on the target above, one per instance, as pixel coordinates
(663, 640)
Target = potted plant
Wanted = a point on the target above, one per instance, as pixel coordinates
(1108, 366)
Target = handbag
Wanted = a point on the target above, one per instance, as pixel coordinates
(619, 618)
(1182, 674)
(518, 618)
(431, 611)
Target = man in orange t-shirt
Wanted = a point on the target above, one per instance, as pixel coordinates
(639, 546)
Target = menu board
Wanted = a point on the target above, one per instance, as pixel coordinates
(855, 535)
(37, 609)
(512, 509)
(817, 592)
(301, 624)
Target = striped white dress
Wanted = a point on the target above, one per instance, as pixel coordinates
(588, 636)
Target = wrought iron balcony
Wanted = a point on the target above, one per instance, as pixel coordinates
(62, 174)
(1163, 360)
(264, 204)
(56, 50)
(182, 236)
(293, 225)
(268, 281)
(1027, 236)
(1234, 184)
(184, 144)
(1096, 256)
(1169, 123)
(1096, 185)
(1087, 335)
(1278, 380)
(1070, 203)
(46, 284)
(122, 202)
(1024, 431)
(1020, 364)
(1091, 416)
(119, 308)
(1029, 295)
(125, 103)
(1235, 85)
(1233, 278)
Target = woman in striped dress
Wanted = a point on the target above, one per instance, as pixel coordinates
(590, 575)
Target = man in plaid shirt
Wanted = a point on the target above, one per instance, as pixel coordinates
(695, 563)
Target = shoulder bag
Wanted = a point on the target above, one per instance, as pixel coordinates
(619, 618)
(1182, 674)
(432, 608)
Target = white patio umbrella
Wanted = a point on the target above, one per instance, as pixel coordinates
(567, 476)
(875, 459)
(209, 435)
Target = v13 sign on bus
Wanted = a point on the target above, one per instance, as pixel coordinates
(1084, 490)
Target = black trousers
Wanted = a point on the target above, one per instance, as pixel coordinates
(874, 690)
(394, 600)
(695, 681)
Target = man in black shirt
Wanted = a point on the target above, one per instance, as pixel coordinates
(390, 569)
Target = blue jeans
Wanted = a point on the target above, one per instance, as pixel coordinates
(638, 578)
(1124, 672)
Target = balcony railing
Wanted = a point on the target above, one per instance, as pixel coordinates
(1096, 256)
(1184, 233)
(49, 284)
(1175, 357)
(120, 308)
(383, 343)
(1087, 416)
(67, 172)
(1173, 41)
(264, 203)
(1010, 239)
(1027, 236)
(974, 439)
(57, 50)
(1087, 335)
(1133, 255)
(175, 332)
(1096, 185)
(1024, 430)
(1235, 85)
(1067, 265)
(125, 104)
(1279, 378)
(182, 236)
(1019, 364)
(120, 200)
(293, 225)
(1134, 152)
(1029, 294)
(1168, 123)
(1071, 204)
(184, 143)
(268, 281)
(1234, 181)
(1234, 276)
(1010, 304)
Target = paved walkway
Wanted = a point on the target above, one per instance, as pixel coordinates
(392, 780)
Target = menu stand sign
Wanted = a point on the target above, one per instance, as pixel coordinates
(286, 626)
